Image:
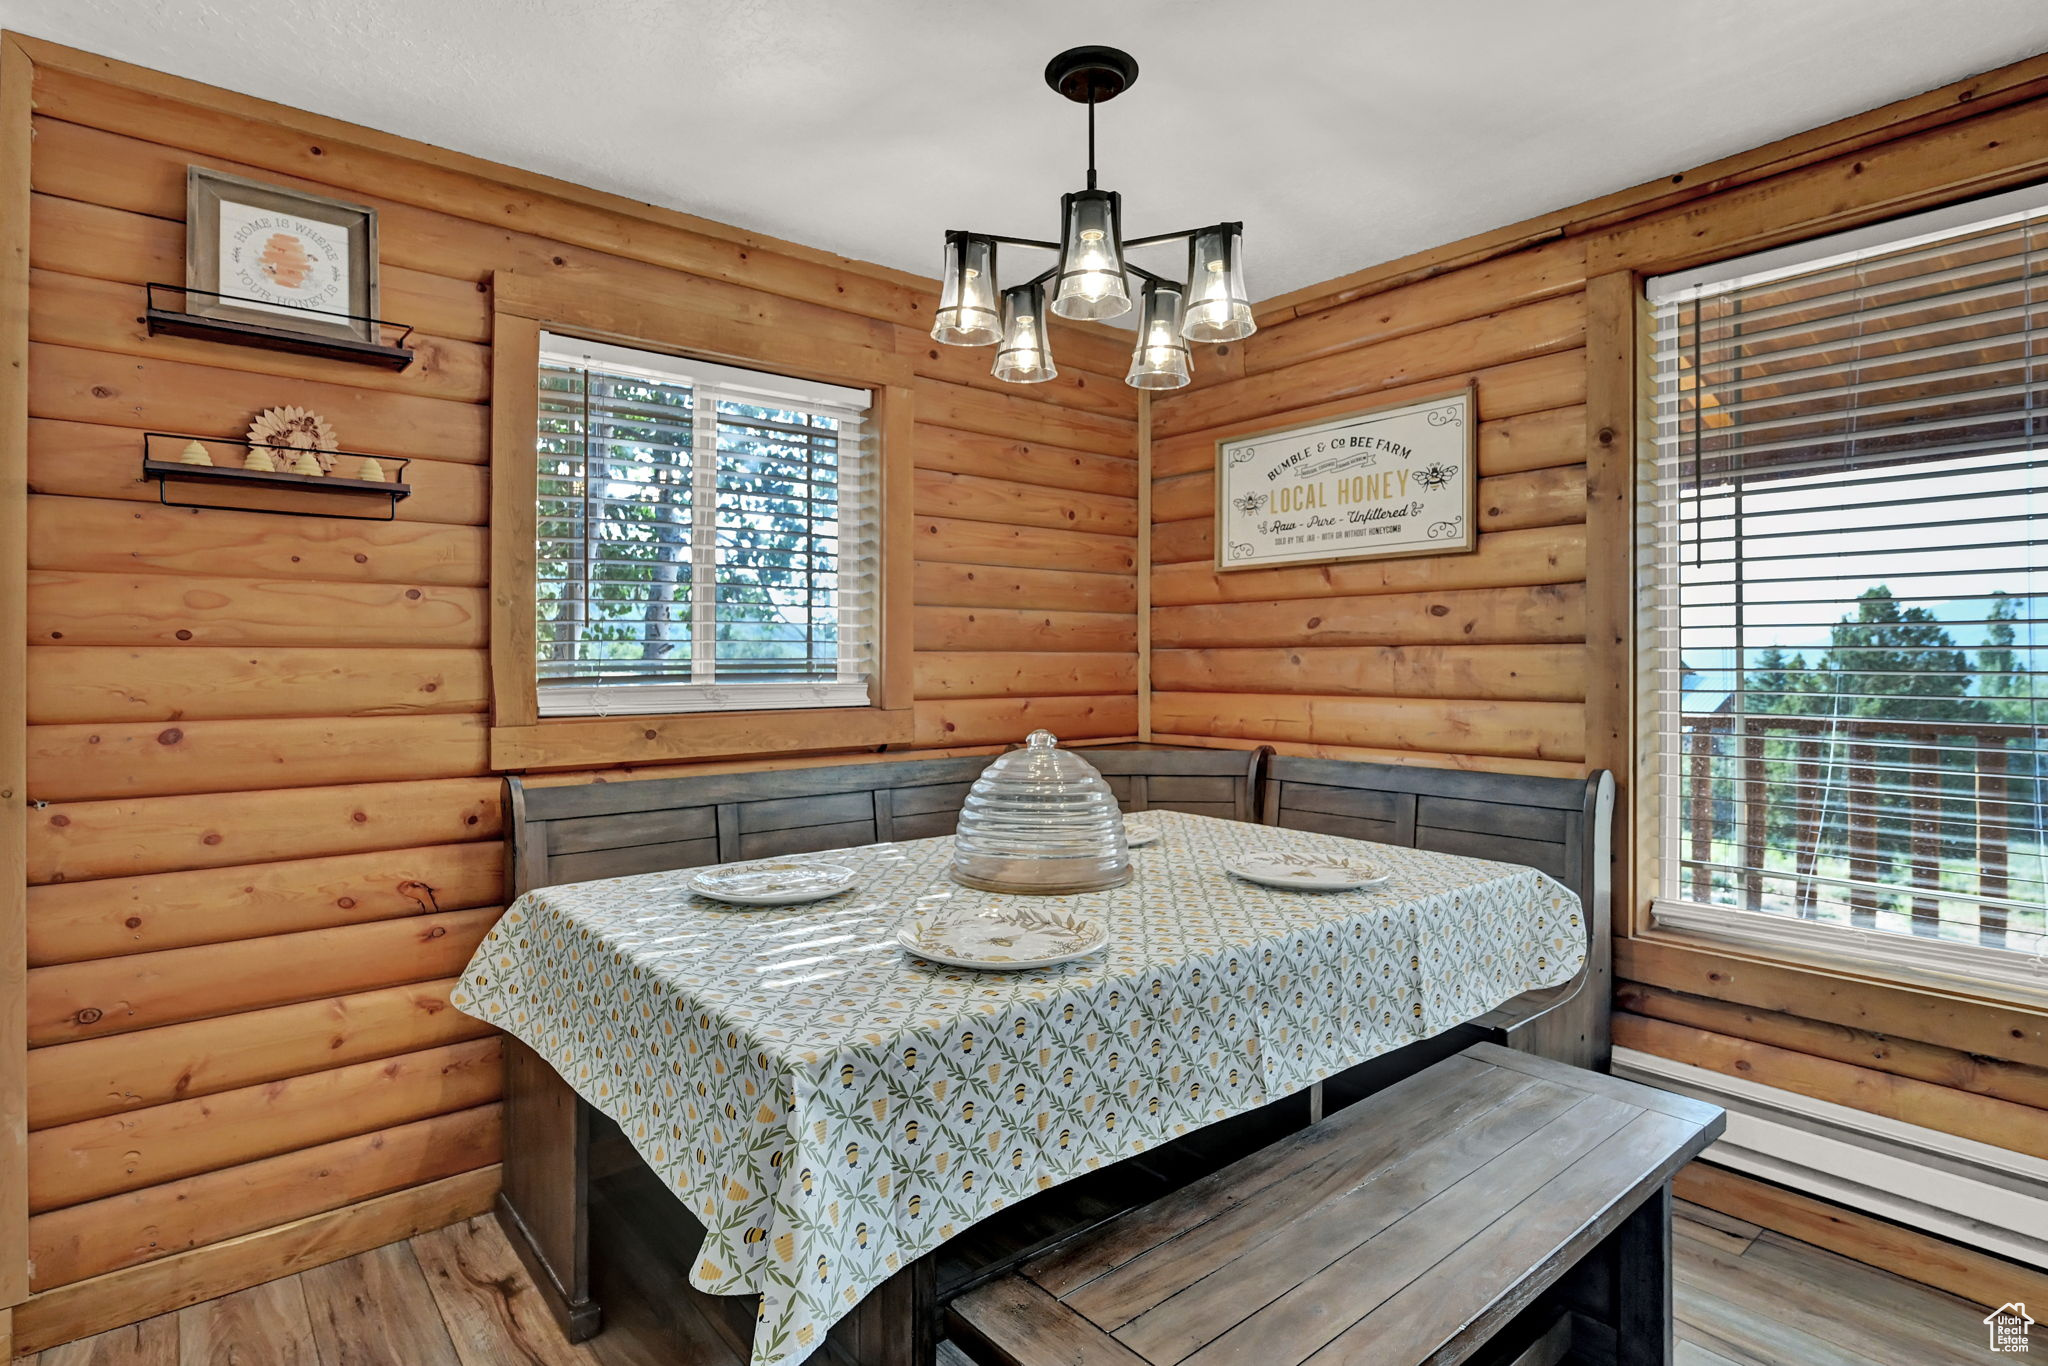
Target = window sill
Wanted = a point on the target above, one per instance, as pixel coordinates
(595, 702)
(601, 741)
(2019, 978)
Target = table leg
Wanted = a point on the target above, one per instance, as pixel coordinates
(544, 1205)
(897, 1324)
(1642, 1291)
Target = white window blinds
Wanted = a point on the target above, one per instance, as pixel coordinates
(706, 537)
(1849, 509)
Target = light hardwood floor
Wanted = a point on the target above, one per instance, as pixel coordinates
(458, 1297)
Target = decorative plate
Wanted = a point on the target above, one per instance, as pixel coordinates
(1004, 938)
(1138, 834)
(1308, 872)
(772, 884)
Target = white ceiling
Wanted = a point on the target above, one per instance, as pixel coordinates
(1343, 132)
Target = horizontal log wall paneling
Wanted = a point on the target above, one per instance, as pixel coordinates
(74, 921)
(83, 683)
(269, 834)
(1518, 657)
(123, 1073)
(1025, 518)
(99, 1157)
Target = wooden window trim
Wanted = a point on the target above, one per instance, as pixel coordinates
(523, 307)
(17, 75)
(1619, 428)
(1915, 168)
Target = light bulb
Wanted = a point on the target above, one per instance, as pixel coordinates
(1218, 308)
(1091, 273)
(1025, 356)
(967, 313)
(1160, 359)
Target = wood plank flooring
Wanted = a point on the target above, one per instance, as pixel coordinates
(458, 1297)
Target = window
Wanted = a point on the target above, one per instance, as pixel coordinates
(1848, 516)
(704, 537)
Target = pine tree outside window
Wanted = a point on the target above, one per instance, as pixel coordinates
(705, 538)
(1849, 510)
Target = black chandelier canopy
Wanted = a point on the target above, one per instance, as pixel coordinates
(1090, 279)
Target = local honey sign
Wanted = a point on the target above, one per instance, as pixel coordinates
(1395, 480)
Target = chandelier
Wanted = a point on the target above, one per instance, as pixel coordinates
(1091, 277)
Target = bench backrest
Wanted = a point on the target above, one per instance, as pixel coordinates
(597, 830)
(611, 829)
(1201, 782)
(1548, 823)
(1562, 826)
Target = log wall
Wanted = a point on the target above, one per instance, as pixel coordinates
(266, 836)
(1519, 657)
(1470, 661)
(270, 837)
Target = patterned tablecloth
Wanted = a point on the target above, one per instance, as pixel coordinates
(831, 1108)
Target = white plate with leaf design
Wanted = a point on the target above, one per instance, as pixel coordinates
(1138, 834)
(1004, 938)
(1308, 872)
(772, 883)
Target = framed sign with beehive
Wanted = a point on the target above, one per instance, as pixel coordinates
(1399, 479)
(279, 257)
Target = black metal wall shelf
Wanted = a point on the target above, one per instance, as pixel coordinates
(168, 472)
(169, 322)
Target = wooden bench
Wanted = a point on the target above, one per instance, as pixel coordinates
(1496, 1206)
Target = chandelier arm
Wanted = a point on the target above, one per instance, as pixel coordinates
(1017, 241)
(1144, 274)
(1182, 235)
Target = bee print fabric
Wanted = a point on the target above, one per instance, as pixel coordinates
(830, 1107)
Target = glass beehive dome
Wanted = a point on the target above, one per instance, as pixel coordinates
(1041, 821)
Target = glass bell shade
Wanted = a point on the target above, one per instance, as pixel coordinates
(1218, 309)
(1026, 353)
(1160, 359)
(968, 313)
(1091, 257)
(1041, 821)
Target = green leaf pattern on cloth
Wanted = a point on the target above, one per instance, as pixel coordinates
(831, 1108)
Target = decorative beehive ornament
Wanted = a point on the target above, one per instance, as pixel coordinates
(194, 454)
(259, 459)
(371, 472)
(284, 430)
(305, 462)
(1041, 821)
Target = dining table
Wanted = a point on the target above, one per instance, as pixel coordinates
(831, 1106)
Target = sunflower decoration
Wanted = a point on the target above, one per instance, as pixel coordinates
(292, 437)
(1435, 476)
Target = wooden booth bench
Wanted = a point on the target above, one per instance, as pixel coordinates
(1497, 1206)
(562, 834)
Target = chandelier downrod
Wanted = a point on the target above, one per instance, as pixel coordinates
(1091, 142)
